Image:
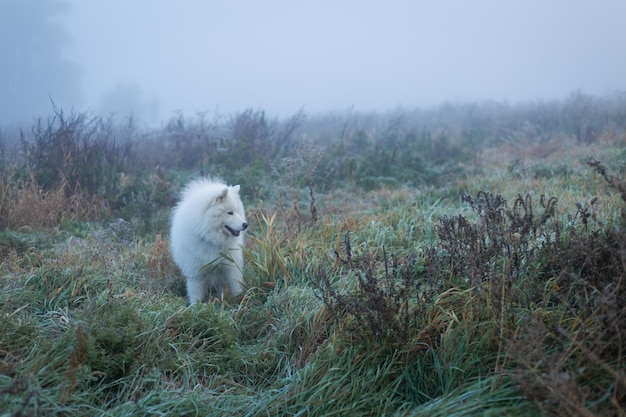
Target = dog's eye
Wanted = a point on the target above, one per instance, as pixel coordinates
(230, 213)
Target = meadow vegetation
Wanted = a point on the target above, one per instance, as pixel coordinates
(468, 260)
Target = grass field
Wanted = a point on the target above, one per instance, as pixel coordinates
(499, 292)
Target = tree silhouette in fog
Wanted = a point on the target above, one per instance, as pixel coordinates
(33, 70)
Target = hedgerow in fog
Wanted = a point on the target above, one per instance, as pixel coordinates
(137, 171)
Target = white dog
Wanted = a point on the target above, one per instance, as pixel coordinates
(206, 238)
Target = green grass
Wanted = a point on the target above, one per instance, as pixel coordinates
(94, 321)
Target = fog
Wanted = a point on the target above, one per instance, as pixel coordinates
(159, 57)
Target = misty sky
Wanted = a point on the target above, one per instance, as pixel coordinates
(281, 56)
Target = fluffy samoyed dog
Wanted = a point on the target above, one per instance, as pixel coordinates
(206, 238)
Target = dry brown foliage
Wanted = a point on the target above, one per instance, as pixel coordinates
(24, 204)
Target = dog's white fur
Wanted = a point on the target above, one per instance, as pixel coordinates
(206, 238)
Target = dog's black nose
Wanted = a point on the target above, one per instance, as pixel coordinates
(245, 226)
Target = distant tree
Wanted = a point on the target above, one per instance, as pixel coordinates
(33, 70)
(128, 99)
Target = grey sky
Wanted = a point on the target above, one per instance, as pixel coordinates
(280, 56)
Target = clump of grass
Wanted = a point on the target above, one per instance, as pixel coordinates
(25, 204)
(478, 398)
(268, 258)
(16, 336)
(12, 243)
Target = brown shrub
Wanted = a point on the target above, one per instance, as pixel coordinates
(570, 354)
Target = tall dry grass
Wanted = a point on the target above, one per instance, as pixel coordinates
(25, 205)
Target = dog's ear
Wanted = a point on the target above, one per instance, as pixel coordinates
(222, 195)
(236, 188)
